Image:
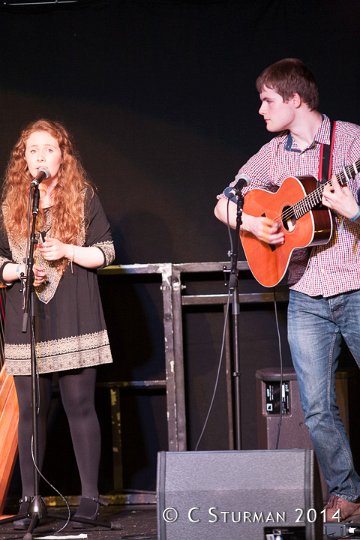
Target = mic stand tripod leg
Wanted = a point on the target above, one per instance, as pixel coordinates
(37, 512)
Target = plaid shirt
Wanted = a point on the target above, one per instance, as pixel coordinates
(335, 267)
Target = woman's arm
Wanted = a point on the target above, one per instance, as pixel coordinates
(86, 256)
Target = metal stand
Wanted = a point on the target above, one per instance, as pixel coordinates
(176, 300)
(37, 507)
(233, 289)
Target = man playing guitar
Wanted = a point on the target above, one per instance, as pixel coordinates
(324, 280)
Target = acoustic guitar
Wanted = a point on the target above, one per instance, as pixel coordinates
(297, 207)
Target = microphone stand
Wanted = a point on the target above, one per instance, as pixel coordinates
(234, 290)
(37, 509)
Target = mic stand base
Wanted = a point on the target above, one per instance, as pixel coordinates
(38, 512)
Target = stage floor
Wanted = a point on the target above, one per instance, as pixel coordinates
(130, 522)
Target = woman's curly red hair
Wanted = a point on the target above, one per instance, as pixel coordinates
(68, 194)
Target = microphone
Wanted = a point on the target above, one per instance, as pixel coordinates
(233, 192)
(43, 173)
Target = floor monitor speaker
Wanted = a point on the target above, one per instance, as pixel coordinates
(238, 495)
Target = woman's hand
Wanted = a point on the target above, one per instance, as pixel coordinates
(52, 249)
(85, 256)
(39, 275)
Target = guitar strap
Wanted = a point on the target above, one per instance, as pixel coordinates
(325, 164)
(326, 154)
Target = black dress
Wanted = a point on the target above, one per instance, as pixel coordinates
(70, 330)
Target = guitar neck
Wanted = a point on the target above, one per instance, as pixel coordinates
(314, 198)
(348, 172)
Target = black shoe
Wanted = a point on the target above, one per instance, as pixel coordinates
(88, 510)
(24, 508)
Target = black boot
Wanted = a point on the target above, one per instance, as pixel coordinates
(88, 509)
(24, 508)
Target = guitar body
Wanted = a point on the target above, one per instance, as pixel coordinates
(268, 263)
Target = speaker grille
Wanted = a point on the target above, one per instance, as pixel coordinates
(236, 494)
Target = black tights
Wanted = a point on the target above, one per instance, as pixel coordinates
(77, 390)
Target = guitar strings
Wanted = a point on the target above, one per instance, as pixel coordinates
(314, 198)
(290, 212)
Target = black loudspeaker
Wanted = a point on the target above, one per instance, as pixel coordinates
(239, 495)
(290, 430)
(293, 432)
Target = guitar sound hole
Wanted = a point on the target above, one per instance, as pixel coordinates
(288, 218)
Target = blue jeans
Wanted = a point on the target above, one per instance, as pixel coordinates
(316, 326)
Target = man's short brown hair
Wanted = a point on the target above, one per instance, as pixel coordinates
(288, 77)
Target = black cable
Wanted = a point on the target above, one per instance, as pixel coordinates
(217, 374)
(222, 345)
(281, 397)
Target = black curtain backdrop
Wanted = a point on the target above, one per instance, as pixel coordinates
(160, 97)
